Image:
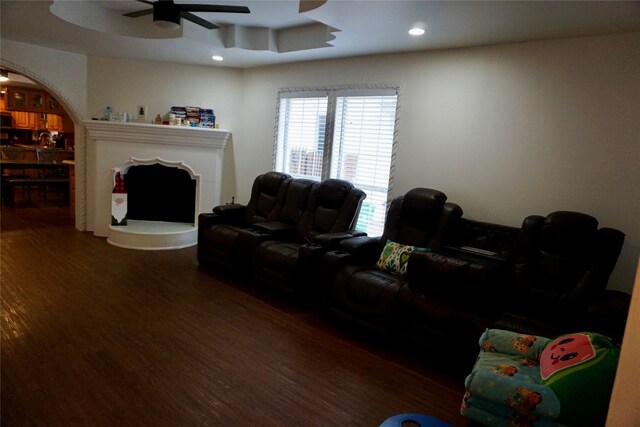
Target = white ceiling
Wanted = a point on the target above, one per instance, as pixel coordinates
(275, 32)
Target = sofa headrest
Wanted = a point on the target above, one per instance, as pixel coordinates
(332, 193)
(423, 199)
(568, 234)
(296, 199)
(271, 181)
(422, 206)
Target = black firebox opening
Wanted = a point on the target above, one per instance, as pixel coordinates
(160, 193)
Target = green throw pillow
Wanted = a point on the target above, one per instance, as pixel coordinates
(580, 368)
(395, 257)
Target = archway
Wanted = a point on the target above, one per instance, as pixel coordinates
(79, 146)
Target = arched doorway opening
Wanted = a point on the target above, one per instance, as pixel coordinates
(37, 130)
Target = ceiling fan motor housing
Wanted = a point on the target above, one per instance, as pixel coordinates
(166, 14)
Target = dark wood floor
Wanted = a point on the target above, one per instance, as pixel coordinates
(97, 335)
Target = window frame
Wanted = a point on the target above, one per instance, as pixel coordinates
(332, 93)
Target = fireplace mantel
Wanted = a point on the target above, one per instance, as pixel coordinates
(112, 144)
(157, 134)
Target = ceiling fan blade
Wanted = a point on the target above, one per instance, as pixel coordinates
(138, 13)
(197, 20)
(220, 8)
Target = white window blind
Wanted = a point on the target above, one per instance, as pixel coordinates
(362, 150)
(299, 140)
(341, 133)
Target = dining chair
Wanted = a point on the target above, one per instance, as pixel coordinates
(15, 154)
(12, 153)
(48, 155)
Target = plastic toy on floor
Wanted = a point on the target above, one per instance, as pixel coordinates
(419, 420)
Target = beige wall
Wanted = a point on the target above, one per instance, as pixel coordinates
(125, 84)
(505, 131)
(63, 73)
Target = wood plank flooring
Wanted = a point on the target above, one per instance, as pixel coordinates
(95, 335)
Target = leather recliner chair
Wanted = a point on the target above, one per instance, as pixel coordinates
(282, 226)
(362, 294)
(218, 231)
(445, 304)
(293, 265)
(561, 269)
(450, 297)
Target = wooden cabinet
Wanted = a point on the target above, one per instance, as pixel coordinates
(53, 106)
(34, 100)
(25, 120)
(67, 124)
(36, 121)
(54, 122)
(32, 109)
(17, 98)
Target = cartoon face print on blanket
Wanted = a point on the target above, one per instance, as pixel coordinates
(565, 352)
(580, 368)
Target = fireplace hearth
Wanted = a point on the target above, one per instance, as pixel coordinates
(161, 205)
(152, 222)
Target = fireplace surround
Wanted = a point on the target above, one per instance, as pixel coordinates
(114, 145)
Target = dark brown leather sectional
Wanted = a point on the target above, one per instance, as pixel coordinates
(298, 237)
(361, 293)
(218, 231)
(280, 237)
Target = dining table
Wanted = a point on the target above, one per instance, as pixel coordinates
(32, 164)
(49, 173)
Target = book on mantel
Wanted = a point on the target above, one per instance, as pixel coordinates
(200, 117)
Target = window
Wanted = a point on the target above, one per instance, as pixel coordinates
(300, 145)
(344, 133)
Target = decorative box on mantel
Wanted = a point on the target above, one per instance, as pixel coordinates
(112, 145)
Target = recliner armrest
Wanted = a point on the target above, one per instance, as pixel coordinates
(229, 209)
(362, 248)
(359, 249)
(231, 213)
(208, 219)
(333, 262)
(275, 229)
(331, 240)
(355, 243)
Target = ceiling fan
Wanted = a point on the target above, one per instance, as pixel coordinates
(167, 14)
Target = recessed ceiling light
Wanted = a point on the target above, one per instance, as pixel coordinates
(418, 28)
(4, 75)
(217, 58)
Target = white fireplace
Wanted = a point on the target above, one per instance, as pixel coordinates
(110, 145)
